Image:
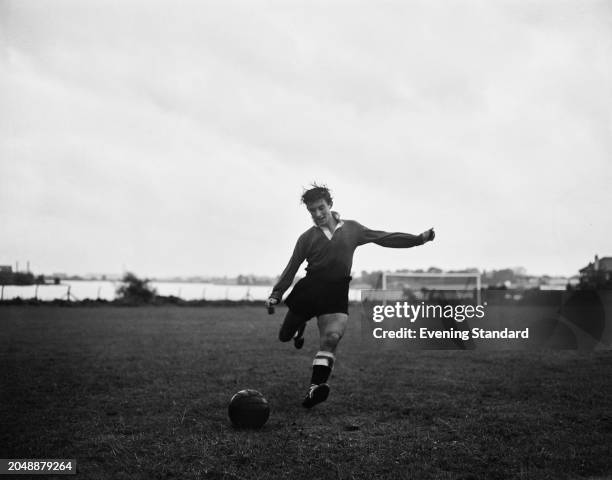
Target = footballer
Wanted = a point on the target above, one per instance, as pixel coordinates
(328, 248)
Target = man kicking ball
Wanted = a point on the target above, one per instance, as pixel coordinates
(328, 247)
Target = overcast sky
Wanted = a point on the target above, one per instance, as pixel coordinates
(174, 138)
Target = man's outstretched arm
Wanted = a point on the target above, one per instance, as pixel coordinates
(394, 239)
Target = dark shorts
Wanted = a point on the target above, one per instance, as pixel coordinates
(313, 296)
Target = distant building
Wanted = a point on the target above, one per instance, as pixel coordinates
(10, 277)
(597, 274)
(6, 274)
(554, 283)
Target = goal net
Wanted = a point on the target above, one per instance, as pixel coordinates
(464, 287)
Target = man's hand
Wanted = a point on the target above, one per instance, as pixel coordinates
(428, 235)
(270, 302)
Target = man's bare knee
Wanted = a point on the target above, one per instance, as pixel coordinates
(332, 338)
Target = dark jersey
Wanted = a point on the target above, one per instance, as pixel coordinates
(332, 259)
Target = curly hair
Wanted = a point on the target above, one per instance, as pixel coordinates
(315, 193)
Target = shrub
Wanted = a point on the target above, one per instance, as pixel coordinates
(134, 290)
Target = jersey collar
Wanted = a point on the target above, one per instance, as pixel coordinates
(328, 233)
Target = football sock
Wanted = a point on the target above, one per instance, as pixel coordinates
(321, 367)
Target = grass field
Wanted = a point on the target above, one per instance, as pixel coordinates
(142, 393)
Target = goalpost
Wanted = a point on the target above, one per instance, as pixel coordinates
(460, 285)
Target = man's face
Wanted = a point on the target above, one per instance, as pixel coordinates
(320, 211)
